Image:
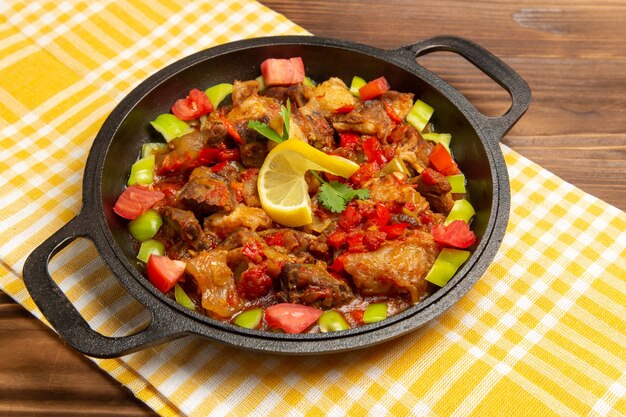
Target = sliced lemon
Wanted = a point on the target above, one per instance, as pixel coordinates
(283, 191)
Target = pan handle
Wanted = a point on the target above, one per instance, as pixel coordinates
(64, 317)
(492, 66)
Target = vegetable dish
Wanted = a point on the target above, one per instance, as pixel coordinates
(297, 205)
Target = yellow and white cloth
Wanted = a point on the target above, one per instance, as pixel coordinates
(542, 333)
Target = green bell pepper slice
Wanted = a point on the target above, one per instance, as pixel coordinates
(149, 247)
(142, 171)
(153, 148)
(145, 226)
(395, 165)
(375, 312)
(170, 126)
(332, 321)
(249, 319)
(419, 115)
(218, 92)
(356, 84)
(308, 81)
(446, 265)
(182, 298)
(457, 182)
(461, 210)
(443, 138)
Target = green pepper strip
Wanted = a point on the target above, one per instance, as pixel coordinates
(357, 83)
(332, 321)
(419, 115)
(170, 126)
(443, 138)
(149, 247)
(446, 265)
(142, 171)
(249, 319)
(375, 312)
(153, 148)
(457, 182)
(145, 226)
(182, 298)
(218, 92)
(462, 210)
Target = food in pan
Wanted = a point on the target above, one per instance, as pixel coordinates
(280, 204)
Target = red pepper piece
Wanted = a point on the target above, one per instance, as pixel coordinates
(373, 151)
(337, 238)
(254, 282)
(349, 218)
(374, 88)
(231, 129)
(364, 173)
(349, 140)
(275, 239)
(442, 161)
(254, 251)
(392, 113)
(344, 109)
(394, 230)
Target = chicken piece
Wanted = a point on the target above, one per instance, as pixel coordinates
(312, 285)
(244, 89)
(255, 107)
(411, 147)
(401, 103)
(242, 216)
(250, 191)
(216, 283)
(436, 189)
(314, 129)
(207, 192)
(329, 96)
(393, 188)
(397, 267)
(368, 118)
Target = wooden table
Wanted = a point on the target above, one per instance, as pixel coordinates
(573, 55)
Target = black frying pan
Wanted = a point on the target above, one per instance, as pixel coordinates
(475, 145)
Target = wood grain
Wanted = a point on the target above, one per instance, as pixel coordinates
(573, 55)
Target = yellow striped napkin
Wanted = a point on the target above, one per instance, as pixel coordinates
(542, 333)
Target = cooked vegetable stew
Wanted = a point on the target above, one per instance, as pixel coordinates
(280, 204)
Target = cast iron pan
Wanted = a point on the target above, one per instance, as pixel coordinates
(475, 145)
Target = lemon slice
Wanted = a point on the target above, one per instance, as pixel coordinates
(283, 191)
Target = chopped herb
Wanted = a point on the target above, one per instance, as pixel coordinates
(335, 195)
(268, 132)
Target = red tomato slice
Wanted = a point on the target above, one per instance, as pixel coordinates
(374, 88)
(457, 234)
(193, 106)
(292, 318)
(164, 272)
(135, 200)
(282, 71)
(441, 159)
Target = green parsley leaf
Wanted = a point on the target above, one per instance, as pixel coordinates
(270, 133)
(335, 195)
(265, 130)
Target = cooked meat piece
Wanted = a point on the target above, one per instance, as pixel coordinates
(184, 153)
(401, 103)
(297, 94)
(255, 107)
(214, 130)
(393, 188)
(397, 267)
(315, 129)
(235, 239)
(216, 283)
(183, 224)
(230, 172)
(253, 153)
(329, 96)
(206, 192)
(368, 118)
(250, 191)
(276, 92)
(312, 285)
(436, 189)
(412, 148)
(242, 216)
(244, 89)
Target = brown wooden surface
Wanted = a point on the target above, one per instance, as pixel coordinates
(573, 55)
